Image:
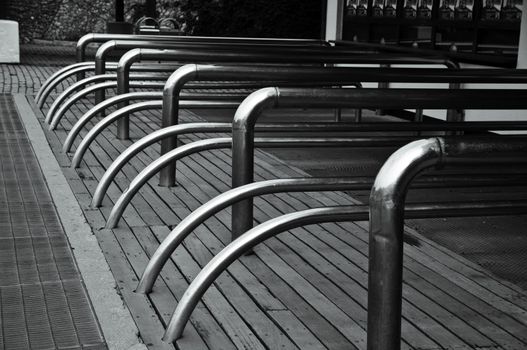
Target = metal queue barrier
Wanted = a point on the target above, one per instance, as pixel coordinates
(248, 112)
(207, 44)
(92, 80)
(273, 227)
(277, 56)
(61, 76)
(252, 107)
(387, 211)
(226, 142)
(205, 72)
(55, 119)
(158, 135)
(197, 217)
(290, 75)
(387, 217)
(125, 42)
(87, 39)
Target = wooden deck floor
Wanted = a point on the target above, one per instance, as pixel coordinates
(304, 289)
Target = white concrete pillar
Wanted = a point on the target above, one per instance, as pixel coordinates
(522, 45)
(334, 19)
(9, 47)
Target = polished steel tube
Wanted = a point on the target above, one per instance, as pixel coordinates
(86, 91)
(58, 73)
(210, 44)
(120, 113)
(215, 143)
(251, 108)
(246, 242)
(161, 134)
(68, 71)
(72, 88)
(94, 111)
(205, 211)
(57, 80)
(222, 201)
(144, 142)
(387, 201)
(315, 76)
(254, 55)
(105, 77)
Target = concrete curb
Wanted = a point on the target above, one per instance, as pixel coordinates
(118, 327)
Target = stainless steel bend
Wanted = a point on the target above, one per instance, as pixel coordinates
(268, 229)
(94, 111)
(72, 88)
(93, 88)
(154, 167)
(56, 74)
(222, 201)
(146, 141)
(58, 79)
(103, 123)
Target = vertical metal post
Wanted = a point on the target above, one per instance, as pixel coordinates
(243, 153)
(386, 240)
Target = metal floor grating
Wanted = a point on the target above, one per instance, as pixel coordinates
(43, 302)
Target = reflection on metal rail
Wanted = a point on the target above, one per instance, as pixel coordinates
(251, 108)
(92, 88)
(268, 229)
(72, 88)
(94, 111)
(311, 55)
(55, 75)
(387, 202)
(222, 201)
(226, 142)
(161, 134)
(102, 124)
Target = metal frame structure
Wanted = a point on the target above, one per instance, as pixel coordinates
(54, 122)
(93, 79)
(387, 202)
(225, 143)
(222, 201)
(252, 107)
(307, 55)
(298, 75)
(273, 227)
(158, 135)
(140, 106)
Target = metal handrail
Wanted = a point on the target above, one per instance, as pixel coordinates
(93, 79)
(252, 107)
(289, 55)
(387, 201)
(57, 73)
(175, 130)
(298, 75)
(273, 227)
(68, 71)
(90, 89)
(225, 143)
(213, 45)
(85, 40)
(224, 200)
(140, 106)
(94, 111)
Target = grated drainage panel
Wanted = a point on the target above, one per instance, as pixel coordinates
(43, 301)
